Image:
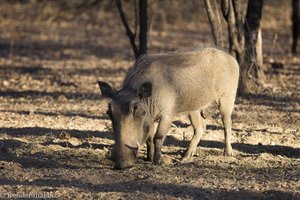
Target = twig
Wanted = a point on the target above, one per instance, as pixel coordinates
(129, 33)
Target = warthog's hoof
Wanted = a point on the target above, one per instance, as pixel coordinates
(148, 159)
(188, 156)
(157, 161)
(109, 155)
(186, 160)
(166, 160)
(227, 152)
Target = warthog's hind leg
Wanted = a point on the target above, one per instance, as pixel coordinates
(226, 108)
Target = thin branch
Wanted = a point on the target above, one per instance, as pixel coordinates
(129, 33)
(239, 18)
(225, 8)
(135, 16)
(219, 24)
(215, 28)
(143, 18)
(229, 15)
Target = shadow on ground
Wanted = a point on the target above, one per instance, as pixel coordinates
(48, 50)
(286, 151)
(41, 131)
(279, 103)
(170, 140)
(142, 188)
(28, 155)
(38, 71)
(32, 94)
(66, 114)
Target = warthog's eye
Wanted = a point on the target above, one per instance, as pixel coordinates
(136, 109)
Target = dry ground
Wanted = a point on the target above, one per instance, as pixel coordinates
(54, 134)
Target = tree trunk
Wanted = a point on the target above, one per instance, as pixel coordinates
(143, 18)
(259, 55)
(240, 21)
(295, 24)
(143, 27)
(251, 73)
(215, 23)
(230, 10)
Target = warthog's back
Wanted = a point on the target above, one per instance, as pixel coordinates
(191, 79)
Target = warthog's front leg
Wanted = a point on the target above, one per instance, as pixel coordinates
(160, 136)
(150, 149)
(150, 142)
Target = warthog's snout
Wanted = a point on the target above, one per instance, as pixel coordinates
(123, 164)
(126, 157)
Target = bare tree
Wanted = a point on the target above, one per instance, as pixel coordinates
(232, 13)
(296, 24)
(245, 41)
(141, 17)
(252, 74)
(214, 21)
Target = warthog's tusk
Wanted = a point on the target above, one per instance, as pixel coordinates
(137, 149)
(138, 146)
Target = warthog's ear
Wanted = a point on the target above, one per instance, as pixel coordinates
(136, 109)
(145, 90)
(106, 90)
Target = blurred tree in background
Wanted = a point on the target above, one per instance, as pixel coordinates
(295, 24)
(140, 15)
(244, 35)
(144, 20)
(244, 39)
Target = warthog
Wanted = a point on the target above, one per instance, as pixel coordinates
(157, 87)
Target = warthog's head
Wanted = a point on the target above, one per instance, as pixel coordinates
(130, 121)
